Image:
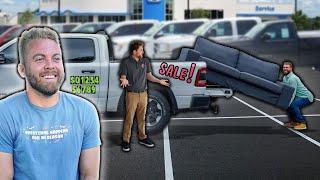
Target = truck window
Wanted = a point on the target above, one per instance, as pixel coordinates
(279, 31)
(74, 51)
(10, 54)
(244, 26)
(220, 29)
(132, 29)
(77, 50)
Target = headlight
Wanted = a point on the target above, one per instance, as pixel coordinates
(117, 46)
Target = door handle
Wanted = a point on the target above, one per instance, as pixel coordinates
(88, 71)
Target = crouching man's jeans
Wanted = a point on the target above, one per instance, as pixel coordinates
(136, 104)
(294, 109)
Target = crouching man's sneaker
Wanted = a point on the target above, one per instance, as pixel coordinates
(300, 126)
(147, 142)
(125, 146)
(289, 124)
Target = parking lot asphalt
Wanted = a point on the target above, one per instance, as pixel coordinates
(246, 140)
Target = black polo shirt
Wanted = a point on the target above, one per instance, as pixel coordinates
(136, 73)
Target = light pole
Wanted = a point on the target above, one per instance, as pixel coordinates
(295, 6)
(59, 17)
(188, 10)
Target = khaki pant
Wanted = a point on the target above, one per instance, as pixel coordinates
(136, 104)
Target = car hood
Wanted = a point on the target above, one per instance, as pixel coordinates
(124, 39)
(176, 38)
(241, 43)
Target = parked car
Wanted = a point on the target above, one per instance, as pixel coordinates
(218, 29)
(11, 33)
(129, 28)
(279, 40)
(64, 27)
(3, 28)
(92, 27)
(151, 36)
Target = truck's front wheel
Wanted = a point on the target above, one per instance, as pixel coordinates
(158, 112)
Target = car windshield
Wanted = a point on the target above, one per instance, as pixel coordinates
(3, 28)
(253, 32)
(112, 28)
(85, 28)
(153, 30)
(176, 28)
(200, 31)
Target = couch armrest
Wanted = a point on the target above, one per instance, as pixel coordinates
(285, 96)
(187, 54)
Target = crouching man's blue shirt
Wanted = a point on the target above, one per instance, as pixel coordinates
(46, 142)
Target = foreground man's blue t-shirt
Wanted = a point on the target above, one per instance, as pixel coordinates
(46, 142)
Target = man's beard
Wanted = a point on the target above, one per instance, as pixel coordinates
(47, 89)
(286, 72)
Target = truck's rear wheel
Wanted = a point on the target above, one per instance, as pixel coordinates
(158, 112)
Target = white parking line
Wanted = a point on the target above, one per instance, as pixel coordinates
(317, 99)
(279, 122)
(215, 118)
(167, 155)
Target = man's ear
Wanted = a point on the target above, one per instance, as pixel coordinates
(21, 70)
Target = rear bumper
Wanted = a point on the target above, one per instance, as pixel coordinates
(200, 101)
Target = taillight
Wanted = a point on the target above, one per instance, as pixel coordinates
(201, 79)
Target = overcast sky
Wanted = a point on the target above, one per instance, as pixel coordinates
(11, 7)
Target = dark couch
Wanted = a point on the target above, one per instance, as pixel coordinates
(241, 72)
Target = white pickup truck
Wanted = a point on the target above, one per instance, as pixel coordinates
(92, 72)
(165, 28)
(168, 47)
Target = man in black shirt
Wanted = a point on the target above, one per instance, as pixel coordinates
(134, 73)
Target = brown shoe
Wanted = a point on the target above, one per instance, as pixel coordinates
(300, 126)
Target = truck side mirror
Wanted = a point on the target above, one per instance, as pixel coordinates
(101, 32)
(2, 58)
(159, 34)
(265, 37)
(211, 33)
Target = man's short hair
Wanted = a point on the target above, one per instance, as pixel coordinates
(35, 33)
(134, 45)
(287, 62)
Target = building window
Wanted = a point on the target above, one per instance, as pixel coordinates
(169, 9)
(203, 13)
(111, 18)
(57, 19)
(136, 9)
(44, 20)
(81, 19)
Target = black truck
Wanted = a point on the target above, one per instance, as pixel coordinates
(278, 40)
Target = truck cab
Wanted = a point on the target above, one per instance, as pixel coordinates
(279, 40)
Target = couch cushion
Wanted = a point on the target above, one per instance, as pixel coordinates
(217, 52)
(263, 69)
(263, 83)
(213, 65)
(187, 54)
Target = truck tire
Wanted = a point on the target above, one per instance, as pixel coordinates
(158, 112)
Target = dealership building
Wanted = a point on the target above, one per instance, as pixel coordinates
(120, 10)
